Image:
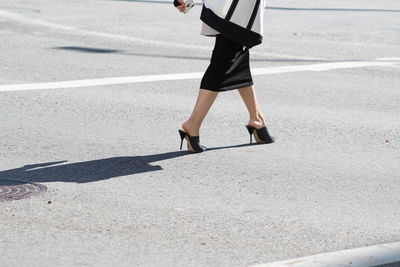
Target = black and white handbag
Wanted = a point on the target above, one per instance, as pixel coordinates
(239, 20)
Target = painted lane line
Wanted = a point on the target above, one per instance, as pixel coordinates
(194, 75)
(326, 66)
(82, 32)
(358, 257)
(283, 8)
(101, 81)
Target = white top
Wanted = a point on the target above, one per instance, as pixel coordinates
(240, 17)
(208, 31)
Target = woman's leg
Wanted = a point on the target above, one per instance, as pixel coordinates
(205, 99)
(248, 95)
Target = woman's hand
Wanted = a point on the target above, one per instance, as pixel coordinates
(181, 7)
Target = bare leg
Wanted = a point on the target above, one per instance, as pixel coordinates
(205, 99)
(248, 95)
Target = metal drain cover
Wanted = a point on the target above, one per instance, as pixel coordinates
(14, 190)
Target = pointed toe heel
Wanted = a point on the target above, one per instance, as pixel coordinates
(261, 135)
(193, 142)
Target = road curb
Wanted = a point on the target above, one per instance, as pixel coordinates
(372, 256)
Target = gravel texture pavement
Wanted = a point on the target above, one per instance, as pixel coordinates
(119, 190)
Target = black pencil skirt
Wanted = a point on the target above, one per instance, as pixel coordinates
(229, 68)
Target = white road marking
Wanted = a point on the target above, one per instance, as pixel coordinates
(82, 32)
(195, 75)
(101, 81)
(358, 257)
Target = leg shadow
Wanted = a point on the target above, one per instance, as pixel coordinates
(93, 170)
(88, 171)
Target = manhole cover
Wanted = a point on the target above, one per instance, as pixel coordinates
(14, 190)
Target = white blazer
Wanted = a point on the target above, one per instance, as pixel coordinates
(239, 20)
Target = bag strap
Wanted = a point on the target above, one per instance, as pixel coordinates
(253, 15)
(231, 10)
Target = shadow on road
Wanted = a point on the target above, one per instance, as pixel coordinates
(88, 49)
(93, 170)
(87, 171)
(93, 50)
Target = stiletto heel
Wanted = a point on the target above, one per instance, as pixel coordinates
(193, 142)
(250, 129)
(261, 135)
(182, 134)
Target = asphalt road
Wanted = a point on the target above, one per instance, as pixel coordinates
(122, 193)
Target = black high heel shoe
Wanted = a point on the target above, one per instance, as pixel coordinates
(261, 135)
(193, 142)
